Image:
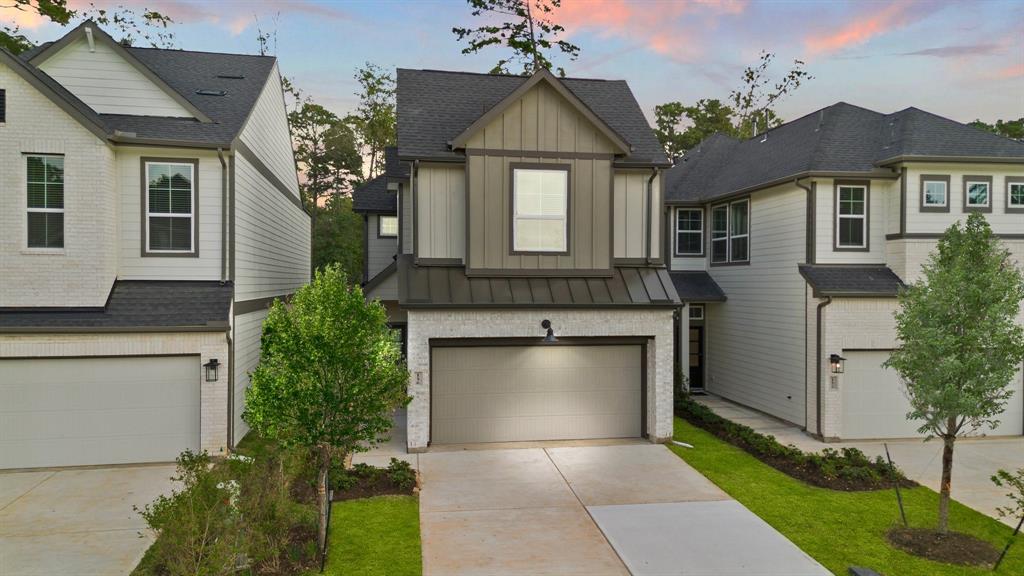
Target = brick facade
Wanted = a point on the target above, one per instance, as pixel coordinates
(423, 325)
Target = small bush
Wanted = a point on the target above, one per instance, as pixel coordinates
(401, 474)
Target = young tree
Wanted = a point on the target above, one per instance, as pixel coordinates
(754, 100)
(706, 117)
(145, 24)
(525, 27)
(960, 343)
(329, 377)
(374, 118)
(338, 237)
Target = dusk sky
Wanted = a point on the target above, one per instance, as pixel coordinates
(964, 60)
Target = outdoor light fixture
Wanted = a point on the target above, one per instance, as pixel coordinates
(550, 338)
(211, 370)
(836, 362)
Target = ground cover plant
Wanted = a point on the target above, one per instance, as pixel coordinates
(363, 480)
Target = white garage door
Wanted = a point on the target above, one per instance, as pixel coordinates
(875, 405)
(80, 411)
(517, 393)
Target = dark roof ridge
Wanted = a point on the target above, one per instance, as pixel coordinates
(470, 73)
(965, 124)
(182, 50)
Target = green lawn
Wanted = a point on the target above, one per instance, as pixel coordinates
(839, 529)
(379, 535)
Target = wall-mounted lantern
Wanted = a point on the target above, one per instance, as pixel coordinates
(211, 370)
(835, 361)
(550, 337)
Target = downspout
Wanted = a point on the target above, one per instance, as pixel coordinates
(414, 177)
(223, 216)
(817, 360)
(648, 205)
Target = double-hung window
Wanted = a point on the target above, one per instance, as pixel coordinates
(730, 232)
(1014, 194)
(387, 226)
(977, 193)
(852, 216)
(689, 232)
(934, 193)
(540, 208)
(45, 183)
(170, 204)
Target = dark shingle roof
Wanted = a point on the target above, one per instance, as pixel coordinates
(851, 279)
(436, 106)
(393, 167)
(696, 286)
(841, 138)
(374, 196)
(136, 304)
(449, 287)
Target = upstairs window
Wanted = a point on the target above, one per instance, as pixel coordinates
(45, 182)
(852, 216)
(934, 193)
(170, 200)
(689, 232)
(1014, 194)
(540, 208)
(387, 227)
(730, 233)
(977, 193)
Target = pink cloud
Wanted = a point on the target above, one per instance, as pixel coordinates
(875, 22)
(1010, 72)
(669, 29)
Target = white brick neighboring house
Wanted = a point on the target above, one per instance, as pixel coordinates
(509, 202)
(776, 279)
(149, 214)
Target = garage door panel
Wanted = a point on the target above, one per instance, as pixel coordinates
(80, 411)
(497, 394)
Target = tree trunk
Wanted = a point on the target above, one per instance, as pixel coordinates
(947, 480)
(321, 496)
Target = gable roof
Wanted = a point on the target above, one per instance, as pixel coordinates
(840, 140)
(395, 168)
(374, 196)
(435, 107)
(182, 71)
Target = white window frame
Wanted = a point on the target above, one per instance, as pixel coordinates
(380, 226)
(862, 217)
(192, 208)
(564, 217)
(1009, 195)
(967, 195)
(29, 209)
(924, 194)
(699, 232)
(698, 309)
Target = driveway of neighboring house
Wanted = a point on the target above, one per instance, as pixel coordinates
(77, 521)
(975, 460)
(588, 508)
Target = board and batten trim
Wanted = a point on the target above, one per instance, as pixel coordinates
(265, 171)
(144, 202)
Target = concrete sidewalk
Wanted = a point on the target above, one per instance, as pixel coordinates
(975, 460)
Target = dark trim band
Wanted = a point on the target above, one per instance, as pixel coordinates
(539, 154)
(247, 306)
(250, 157)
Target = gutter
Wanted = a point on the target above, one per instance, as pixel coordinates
(817, 360)
(887, 174)
(223, 216)
(648, 201)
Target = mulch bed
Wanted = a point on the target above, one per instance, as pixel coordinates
(367, 487)
(951, 547)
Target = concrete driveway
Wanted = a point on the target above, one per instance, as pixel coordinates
(609, 509)
(76, 521)
(975, 460)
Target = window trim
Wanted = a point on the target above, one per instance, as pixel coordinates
(924, 206)
(676, 231)
(42, 249)
(728, 234)
(1010, 208)
(695, 307)
(144, 186)
(967, 181)
(397, 229)
(866, 185)
(512, 167)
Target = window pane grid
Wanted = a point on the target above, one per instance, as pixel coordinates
(540, 199)
(389, 225)
(1017, 194)
(45, 201)
(977, 193)
(169, 209)
(689, 231)
(934, 193)
(851, 224)
(730, 232)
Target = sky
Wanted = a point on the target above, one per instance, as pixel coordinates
(960, 59)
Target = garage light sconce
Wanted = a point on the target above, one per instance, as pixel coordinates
(550, 338)
(211, 370)
(835, 361)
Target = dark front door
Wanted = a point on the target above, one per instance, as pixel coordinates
(696, 361)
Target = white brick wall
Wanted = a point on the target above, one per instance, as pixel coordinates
(424, 325)
(213, 395)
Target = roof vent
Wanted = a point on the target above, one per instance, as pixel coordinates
(231, 75)
(207, 92)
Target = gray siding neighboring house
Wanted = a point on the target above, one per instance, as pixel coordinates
(118, 284)
(810, 282)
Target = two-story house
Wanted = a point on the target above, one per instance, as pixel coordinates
(149, 213)
(530, 273)
(789, 249)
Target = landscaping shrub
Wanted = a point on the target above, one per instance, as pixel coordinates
(844, 469)
(363, 480)
(401, 474)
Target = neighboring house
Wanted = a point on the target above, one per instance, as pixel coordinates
(791, 246)
(522, 200)
(149, 213)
